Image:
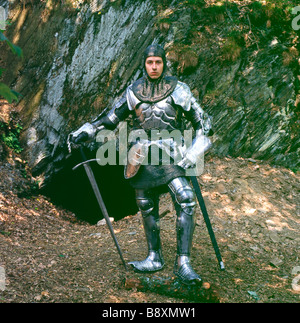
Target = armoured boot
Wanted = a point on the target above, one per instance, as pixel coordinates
(184, 200)
(149, 209)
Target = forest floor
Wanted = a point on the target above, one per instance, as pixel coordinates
(48, 255)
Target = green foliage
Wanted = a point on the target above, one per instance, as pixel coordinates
(15, 49)
(198, 3)
(5, 91)
(231, 50)
(10, 136)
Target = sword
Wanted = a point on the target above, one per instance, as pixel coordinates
(207, 221)
(101, 203)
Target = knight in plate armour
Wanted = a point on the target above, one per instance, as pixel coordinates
(159, 102)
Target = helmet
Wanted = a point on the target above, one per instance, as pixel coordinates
(155, 50)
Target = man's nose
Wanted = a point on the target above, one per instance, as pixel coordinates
(154, 66)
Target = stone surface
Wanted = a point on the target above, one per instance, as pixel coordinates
(78, 60)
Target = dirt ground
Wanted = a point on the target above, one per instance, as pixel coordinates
(47, 255)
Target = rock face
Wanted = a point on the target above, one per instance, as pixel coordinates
(90, 63)
(255, 114)
(78, 58)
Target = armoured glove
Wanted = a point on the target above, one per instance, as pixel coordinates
(199, 147)
(84, 133)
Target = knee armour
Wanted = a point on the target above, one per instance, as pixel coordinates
(145, 202)
(184, 200)
(146, 205)
(183, 194)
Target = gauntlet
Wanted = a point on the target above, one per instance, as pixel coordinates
(199, 147)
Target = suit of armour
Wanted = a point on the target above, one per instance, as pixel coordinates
(160, 105)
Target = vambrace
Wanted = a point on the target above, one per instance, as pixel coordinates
(111, 118)
(201, 123)
(199, 118)
(107, 119)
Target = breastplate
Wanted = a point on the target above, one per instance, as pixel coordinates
(159, 115)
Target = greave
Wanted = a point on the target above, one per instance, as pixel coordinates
(182, 268)
(184, 201)
(152, 231)
(154, 261)
(185, 225)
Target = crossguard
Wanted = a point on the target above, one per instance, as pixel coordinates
(85, 162)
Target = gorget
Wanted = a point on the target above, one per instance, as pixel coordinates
(151, 91)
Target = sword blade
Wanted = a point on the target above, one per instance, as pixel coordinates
(207, 221)
(102, 206)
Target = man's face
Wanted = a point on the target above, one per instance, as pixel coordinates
(154, 67)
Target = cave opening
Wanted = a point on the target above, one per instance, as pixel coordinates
(71, 190)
